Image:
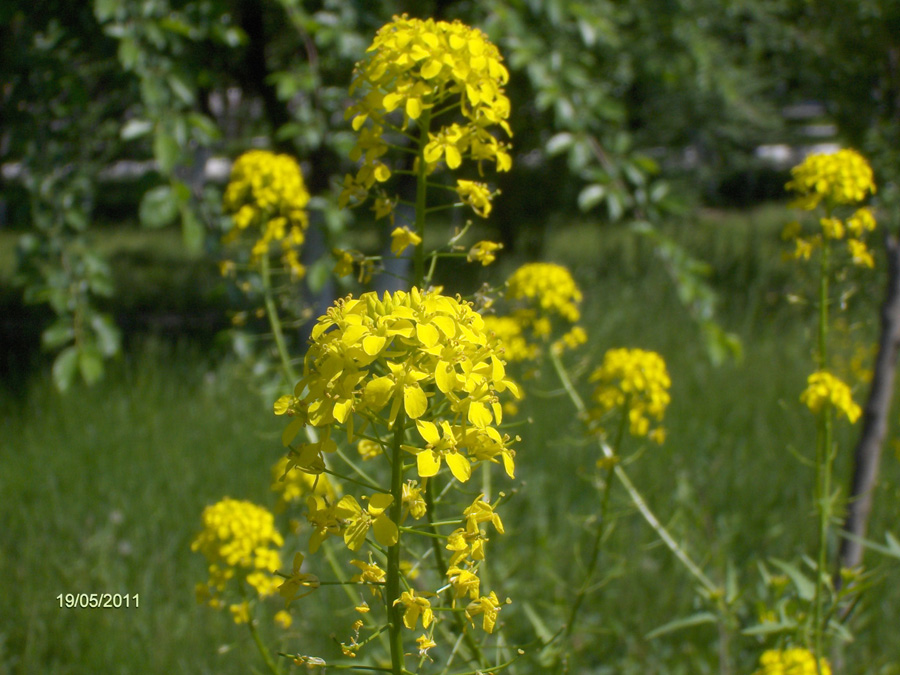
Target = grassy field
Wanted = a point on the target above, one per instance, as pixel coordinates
(101, 490)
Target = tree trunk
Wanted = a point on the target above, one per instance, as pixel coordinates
(875, 418)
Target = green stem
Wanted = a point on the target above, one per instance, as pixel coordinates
(601, 528)
(635, 495)
(392, 586)
(824, 442)
(275, 321)
(424, 123)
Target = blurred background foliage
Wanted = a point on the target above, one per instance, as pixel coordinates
(630, 112)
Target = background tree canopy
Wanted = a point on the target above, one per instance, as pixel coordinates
(625, 110)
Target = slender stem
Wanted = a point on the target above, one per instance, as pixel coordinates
(275, 321)
(392, 587)
(635, 495)
(424, 123)
(823, 462)
(601, 527)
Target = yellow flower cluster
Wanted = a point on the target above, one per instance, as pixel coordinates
(825, 389)
(238, 539)
(267, 193)
(416, 352)
(546, 294)
(422, 69)
(509, 331)
(636, 381)
(793, 661)
(844, 177)
(841, 179)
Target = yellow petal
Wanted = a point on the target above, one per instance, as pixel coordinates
(427, 334)
(373, 344)
(431, 69)
(348, 507)
(459, 466)
(414, 402)
(445, 377)
(454, 158)
(379, 502)
(414, 108)
(428, 431)
(479, 415)
(355, 534)
(428, 463)
(385, 531)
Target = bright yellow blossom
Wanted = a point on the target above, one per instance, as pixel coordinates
(793, 661)
(823, 389)
(489, 607)
(371, 574)
(636, 382)
(298, 584)
(267, 193)
(416, 71)
(415, 607)
(239, 540)
(370, 356)
(844, 177)
(292, 484)
(359, 521)
(402, 238)
(484, 252)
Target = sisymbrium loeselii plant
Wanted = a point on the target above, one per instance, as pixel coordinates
(833, 188)
(266, 198)
(413, 380)
(430, 93)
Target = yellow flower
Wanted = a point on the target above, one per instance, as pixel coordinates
(293, 586)
(240, 612)
(860, 253)
(464, 582)
(368, 449)
(860, 222)
(239, 539)
(344, 262)
(418, 70)
(476, 195)
(479, 512)
(413, 499)
(484, 252)
(424, 643)
(509, 331)
(632, 380)
(440, 447)
(283, 618)
(410, 351)
(371, 574)
(359, 521)
(793, 661)
(844, 177)
(824, 389)
(267, 192)
(402, 238)
(415, 607)
(489, 607)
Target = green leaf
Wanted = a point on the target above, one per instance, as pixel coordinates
(64, 368)
(159, 207)
(769, 628)
(60, 333)
(135, 129)
(109, 338)
(697, 619)
(805, 586)
(191, 229)
(90, 363)
(559, 143)
(591, 196)
(165, 150)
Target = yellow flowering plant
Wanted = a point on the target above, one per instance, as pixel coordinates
(433, 92)
(267, 200)
(833, 187)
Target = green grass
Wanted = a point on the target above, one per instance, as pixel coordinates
(101, 490)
